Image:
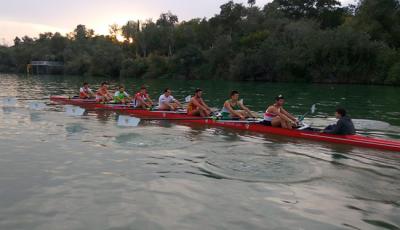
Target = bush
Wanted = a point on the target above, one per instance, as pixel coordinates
(134, 68)
(394, 75)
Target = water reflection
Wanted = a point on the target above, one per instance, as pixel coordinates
(88, 173)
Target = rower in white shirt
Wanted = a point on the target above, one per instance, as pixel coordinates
(168, 102)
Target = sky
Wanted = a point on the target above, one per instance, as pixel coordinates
(31, 17)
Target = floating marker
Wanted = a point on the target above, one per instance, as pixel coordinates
(74, 110)
(128, 121)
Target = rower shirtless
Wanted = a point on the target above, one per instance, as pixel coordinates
(142, 99)
(168, 102)
(277, 116)
(102, 94)
(85, 92)
(197, 106)
(233, 108)
(121, 96)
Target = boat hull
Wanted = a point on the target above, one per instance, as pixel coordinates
(355, 140)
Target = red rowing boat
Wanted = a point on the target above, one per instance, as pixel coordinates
(355, 140)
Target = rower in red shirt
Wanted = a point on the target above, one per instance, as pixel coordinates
(85, 92)
(102, 95)
(197, 106)
(142, 100)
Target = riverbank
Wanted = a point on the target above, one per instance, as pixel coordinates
(324, 43)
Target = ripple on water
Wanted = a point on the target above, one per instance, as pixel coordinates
(281, 168)
(142, 140)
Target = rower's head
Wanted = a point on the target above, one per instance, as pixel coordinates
(167, 92)
(198, 92)
(280, 100)
(86, 85)
(121, 88)
(143, 89)
(340, 112)
(104, 85)
(235, 95)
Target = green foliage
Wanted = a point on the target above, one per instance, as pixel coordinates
(286, 40)
(394, 74)
(7, 62)
(134, 68)
(380, 19)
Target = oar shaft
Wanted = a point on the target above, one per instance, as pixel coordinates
(176, 119)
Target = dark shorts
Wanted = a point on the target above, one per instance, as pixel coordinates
(266, 123)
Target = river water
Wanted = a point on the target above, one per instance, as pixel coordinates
(63, 172)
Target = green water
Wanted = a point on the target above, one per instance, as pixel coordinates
(63, 172)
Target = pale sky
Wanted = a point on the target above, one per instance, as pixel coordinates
(31, 17)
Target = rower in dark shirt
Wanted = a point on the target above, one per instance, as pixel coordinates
(344, 126)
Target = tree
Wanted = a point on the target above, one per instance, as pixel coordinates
(166, 23)
(114, 30)
(17, 41)
(251, 2)
(327, 12)
(380, 19)
(130, 31)
(81, 33)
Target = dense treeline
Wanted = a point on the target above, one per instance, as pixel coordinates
(286, 40)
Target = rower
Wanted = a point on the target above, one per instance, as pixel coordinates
(344, 125)
(168, 102)
(277, 116)
(197, 106)
(85, 92)
(233, 108)
(102, 95)
(142, 99)
(121, 97)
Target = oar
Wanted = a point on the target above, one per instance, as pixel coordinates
(74, 110)
(134, 121)
(9, 101)
(188, 98)
(34, 105)
(129, 121)
(312, 110)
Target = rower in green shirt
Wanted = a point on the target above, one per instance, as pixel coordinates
(233, 108)
(121, 97)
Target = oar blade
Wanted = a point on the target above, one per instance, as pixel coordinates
(127, 121)
(313, 108)
(36, 105)
(9, 101)
(74, 111)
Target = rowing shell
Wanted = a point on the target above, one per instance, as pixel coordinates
(355, 140)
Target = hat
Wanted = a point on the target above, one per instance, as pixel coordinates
(280, 96)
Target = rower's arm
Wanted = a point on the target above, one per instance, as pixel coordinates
(231, 110)
(204, 104)
(247, 110)
(177, 102)
(199, 104)
(140, 99)
(196, 103)
(337, 129)
(148, 98)
(281, 115)
(290, 116)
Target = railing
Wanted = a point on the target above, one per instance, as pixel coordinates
(47, 63)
